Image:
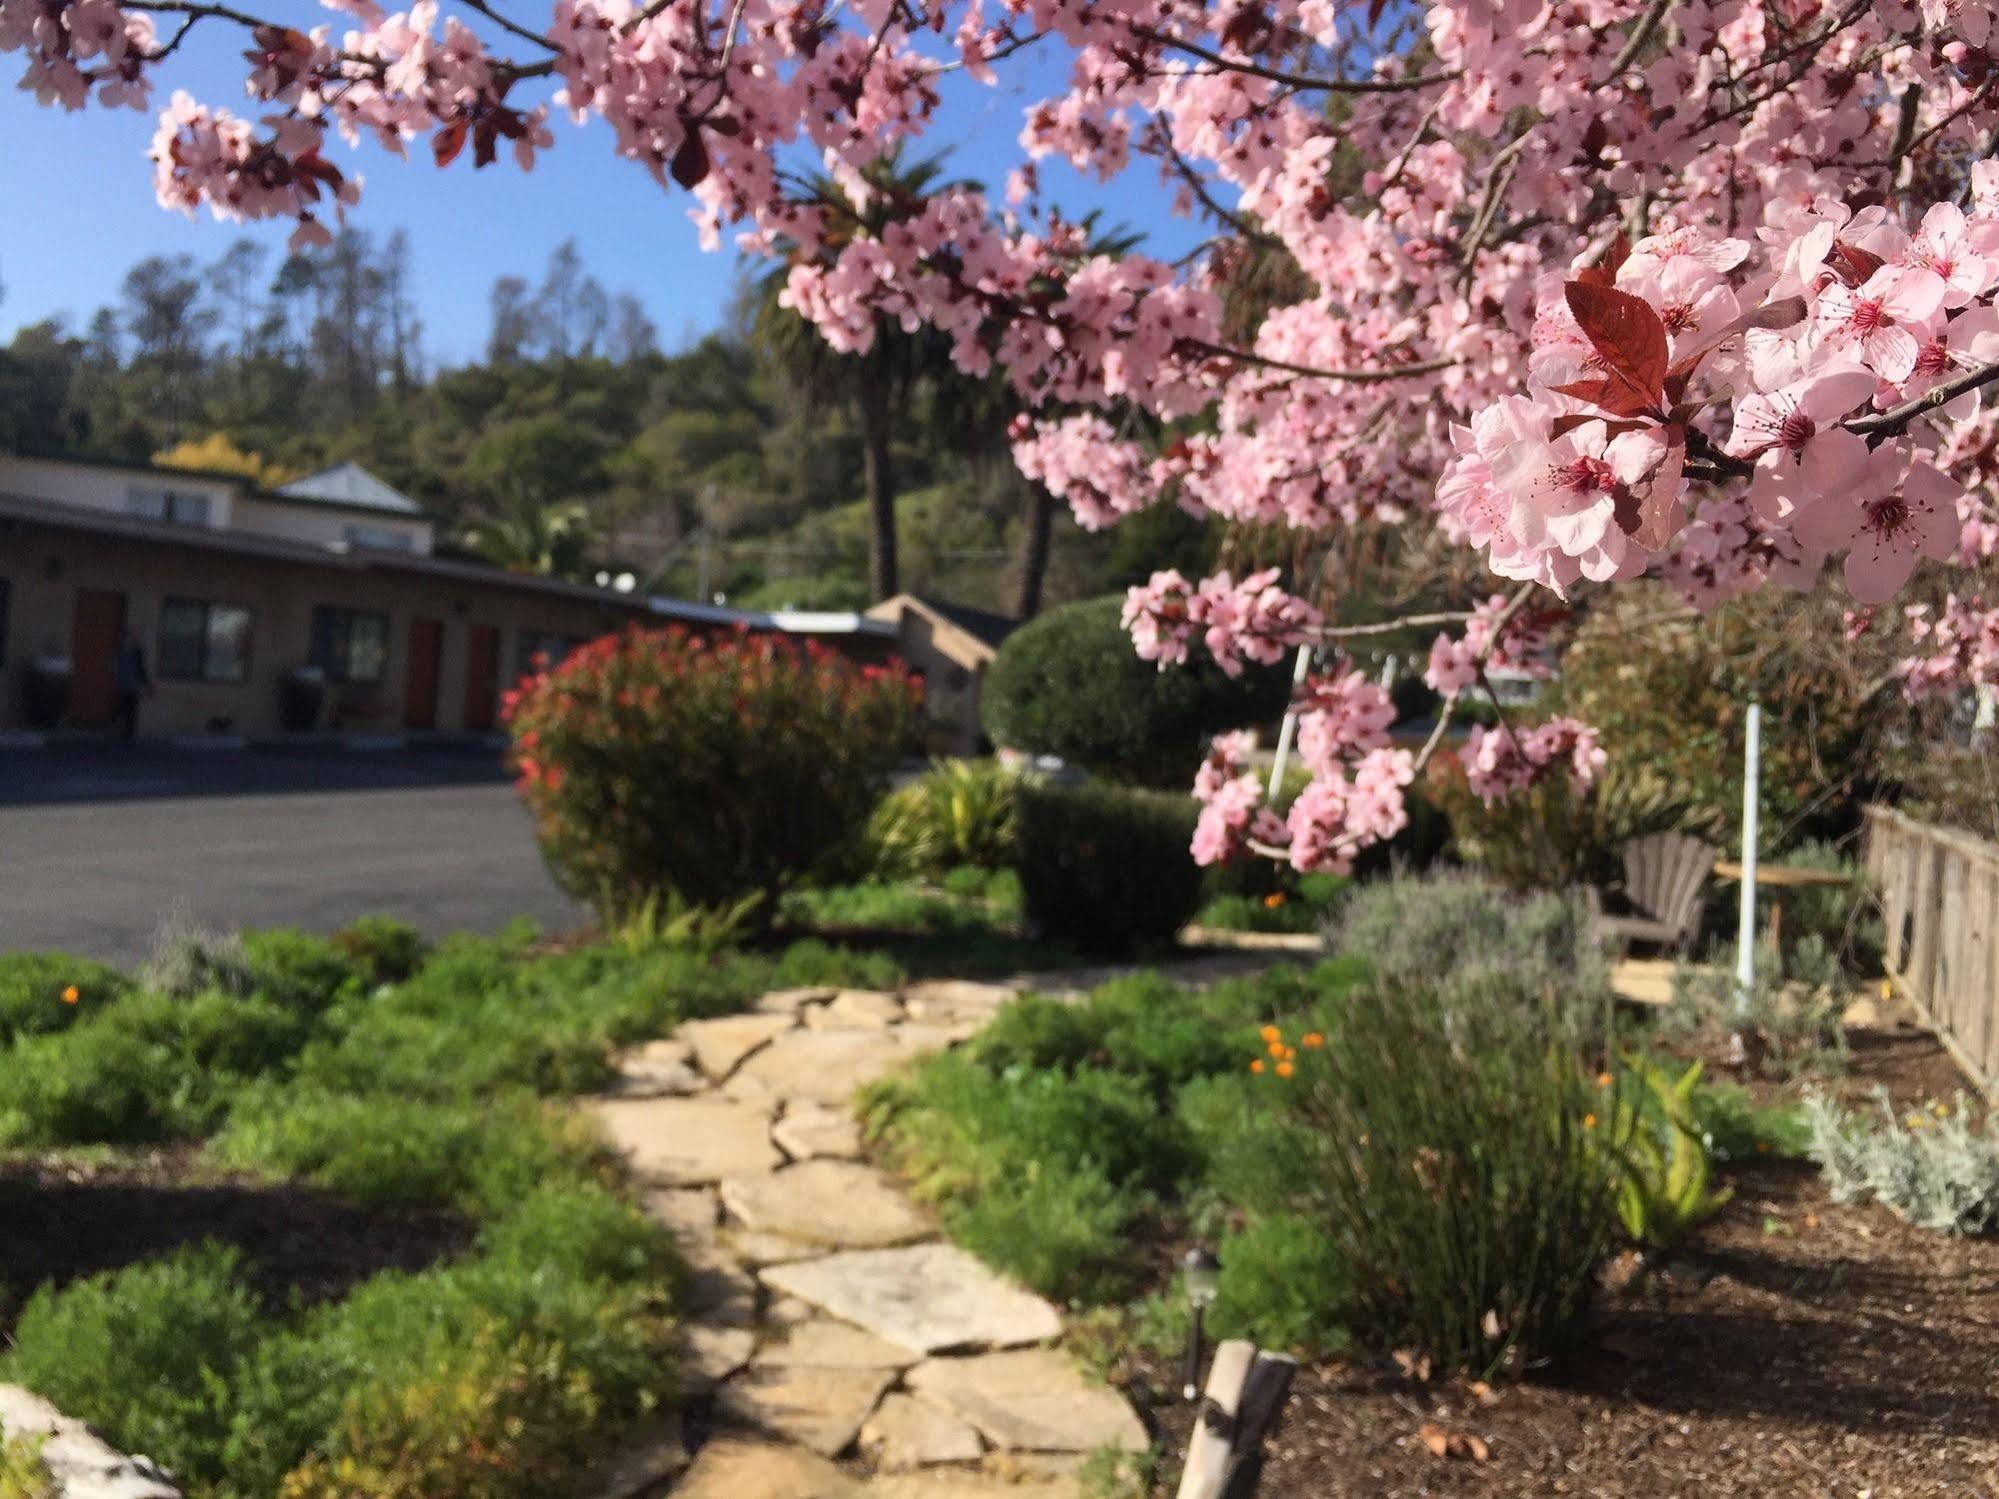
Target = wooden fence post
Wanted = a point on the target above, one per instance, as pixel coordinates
(1246, 1395)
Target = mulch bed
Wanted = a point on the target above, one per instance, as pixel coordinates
(1796, 1347)
(65, 1217)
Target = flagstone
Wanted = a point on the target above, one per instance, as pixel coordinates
(720, 1045)
(956, 999)
(929, 1297)
(816, 1407)
(944, 1483)
(839, 1203)
(711, 1354)
(1031, 1399)
(812, 1131)
(791, 1001)
(733, 1468)
(907, 1431)
(658, 1069)
(685, 1212)
(858, 1009)
(824, 1066)
(687, 1142)
(826, 1344)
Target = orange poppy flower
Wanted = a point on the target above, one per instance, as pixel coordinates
(1272, 901)
(1257, 1065)
(1284, 1069)
(71, 995)
(1313, 1040)
(1270, 1033)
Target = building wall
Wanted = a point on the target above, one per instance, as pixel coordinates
(322, 525)
(108, 489)
(44, 566)
(950, 686)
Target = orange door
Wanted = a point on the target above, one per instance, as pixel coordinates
(96, 631)
(482, 675)
(420, 681)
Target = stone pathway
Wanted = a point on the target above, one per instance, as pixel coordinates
(844, 1349)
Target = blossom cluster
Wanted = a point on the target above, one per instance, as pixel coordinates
(1500, 761)
(1249, 621)
(1956, 649)
(1831, 345)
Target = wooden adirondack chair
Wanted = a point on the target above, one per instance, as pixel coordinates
(1665, 882)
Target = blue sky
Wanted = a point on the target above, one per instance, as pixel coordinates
(80, 206)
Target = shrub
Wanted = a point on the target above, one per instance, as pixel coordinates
(958, 813)
(148, 1354)
(50, 991)
(1930, 1166)
(658, 762)
(282, 964)
(1448, 931)
(95, 1084)
(23, 1474)
(1789, 1023)
(1553, 836)
(1070, 684)
(1107, 870)
(382, 949)
(1666, 686)
(386, 1152)
(1303, 903)
(1451, 1176)
(497, 1377)
(1283, 1284)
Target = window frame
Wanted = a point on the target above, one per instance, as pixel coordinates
(339, 636)
(204, 671)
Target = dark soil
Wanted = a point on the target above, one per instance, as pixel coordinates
(1794, 1348)
(62, 1218)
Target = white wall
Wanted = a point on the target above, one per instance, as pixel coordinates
(322, 525)
(89, 487)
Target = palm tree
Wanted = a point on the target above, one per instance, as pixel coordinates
(527, 536)
(880, 382)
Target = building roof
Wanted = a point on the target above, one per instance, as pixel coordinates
(350, 485)
(282, 549)
(986, 628)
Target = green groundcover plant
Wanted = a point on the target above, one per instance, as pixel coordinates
(499, 1373)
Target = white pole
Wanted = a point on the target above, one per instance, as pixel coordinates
(1745, 940)
(1289, 726)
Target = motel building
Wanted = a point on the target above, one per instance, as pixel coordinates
(316, 607)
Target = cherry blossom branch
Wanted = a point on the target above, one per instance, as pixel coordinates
(501, 21)
(1896, 420)
(1641, 34)
(1302, 81)
(1354, 377)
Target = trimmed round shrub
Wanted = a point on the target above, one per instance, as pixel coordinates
(661, 763)
(1070, 684)
(1104, 869)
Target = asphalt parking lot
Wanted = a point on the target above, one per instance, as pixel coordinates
(101, 844)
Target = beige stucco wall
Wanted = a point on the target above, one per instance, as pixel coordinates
(44, 567)
(321, 525)
(107, 489)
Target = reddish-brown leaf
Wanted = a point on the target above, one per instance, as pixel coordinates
(1628, 336)
(1563, 425)
(1853, 264)
(690, 162)
(448, 142)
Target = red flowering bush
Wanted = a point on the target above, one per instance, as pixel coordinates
(712, 768)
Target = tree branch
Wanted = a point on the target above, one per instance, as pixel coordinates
(1896, 420)
(1355, 377)
(1305, 81)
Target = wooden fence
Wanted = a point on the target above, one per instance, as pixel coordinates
(1940, 897)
